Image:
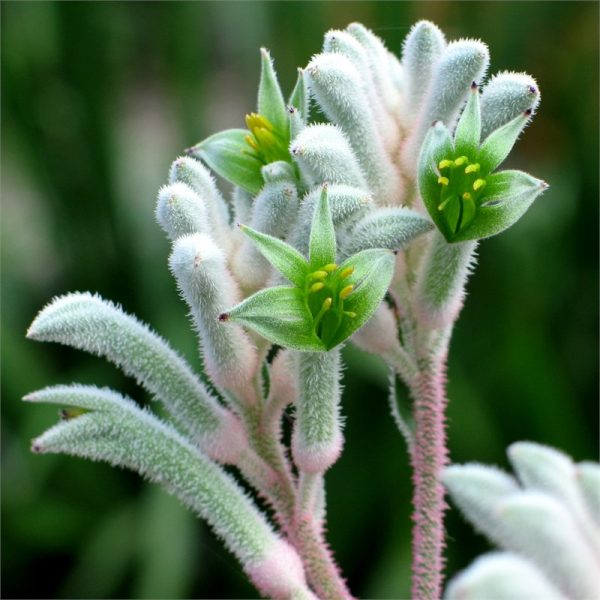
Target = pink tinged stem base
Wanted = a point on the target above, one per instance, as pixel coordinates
(429, 456)
(320, 566)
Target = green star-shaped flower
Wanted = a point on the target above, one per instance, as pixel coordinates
(456, 178)
(326, 302)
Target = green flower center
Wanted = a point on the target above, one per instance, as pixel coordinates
(461, 184)
(325, 291)
(265, 142)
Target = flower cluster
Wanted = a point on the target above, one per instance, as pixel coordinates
(361, 229)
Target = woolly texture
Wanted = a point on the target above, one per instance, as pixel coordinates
(116, 431)
(89, 323)
(209, 289)
(317, 441)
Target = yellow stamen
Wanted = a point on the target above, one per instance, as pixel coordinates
(472, 168)
(467, 196)
(346, 272)
(461, 160)
(256, 121)
(443, 204)
(350, 314)
(319, 274)
(445, 163)
(443, 180)
(264, 136)
(346, 292)
(330, 267)
(251, 142)
(478, 184)
(315, 287)
(326, 304)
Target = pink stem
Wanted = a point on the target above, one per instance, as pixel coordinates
(321, 570)
(429, 456)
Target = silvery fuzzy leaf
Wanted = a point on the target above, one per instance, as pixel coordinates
(541, 528)
(90, 323)
(502, 576)
(116, 431)
(477, 490)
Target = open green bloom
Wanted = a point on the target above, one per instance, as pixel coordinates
(327, 302)
(463, 195)
(239, 155)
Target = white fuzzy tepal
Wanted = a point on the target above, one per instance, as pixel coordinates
(357, 227)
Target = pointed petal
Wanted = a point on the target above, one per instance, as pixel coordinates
(280, 315)
(322, 244)
(270, 99)
(508, 195)
(286, 259)
(373, 272)
(468, 130)
(499, 143)
(228, 154)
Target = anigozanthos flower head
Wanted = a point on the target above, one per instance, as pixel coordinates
(239, 155)
(464, 197)
(326, 302)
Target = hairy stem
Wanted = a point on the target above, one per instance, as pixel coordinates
(321, 569)
(429, 456)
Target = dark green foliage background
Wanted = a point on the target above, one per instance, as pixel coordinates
(97, 99)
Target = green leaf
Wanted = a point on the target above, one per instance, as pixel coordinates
(499, 143)
(322, 244)
(270, 99)
(468, 130)
(508, 196)
(299, 96)
(287, 260)
(280, 315)
(373, 271)
(228, 154)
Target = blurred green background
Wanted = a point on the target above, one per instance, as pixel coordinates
(97, 99)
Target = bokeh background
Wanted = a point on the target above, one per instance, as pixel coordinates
(97, 99)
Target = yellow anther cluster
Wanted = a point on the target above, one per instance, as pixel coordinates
(315, 287)
(266, 143)
(319, 274)
(460, 184)
(330, 267)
